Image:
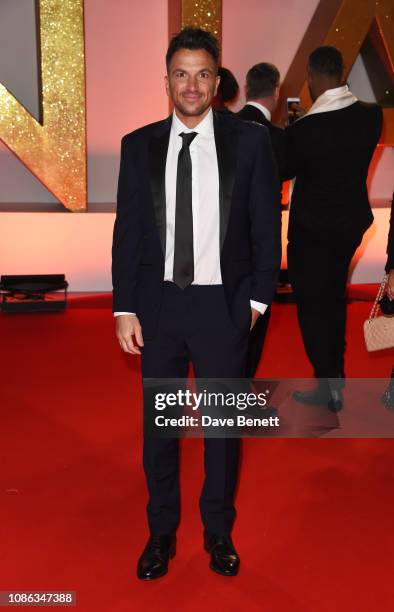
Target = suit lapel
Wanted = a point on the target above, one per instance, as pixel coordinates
(226, 140)
(158, 148)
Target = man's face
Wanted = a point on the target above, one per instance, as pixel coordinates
(191, 82)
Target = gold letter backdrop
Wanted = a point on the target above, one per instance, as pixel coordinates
(346, 24)
(54, 151)
(205, 14)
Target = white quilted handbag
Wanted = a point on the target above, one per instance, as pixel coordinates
(379, 329)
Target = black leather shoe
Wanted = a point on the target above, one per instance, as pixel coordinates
(269, 411)
(262, 413)
(388, 395)
(317, 397)
(224, 557)
(323, 395)
(153, 562)
(335, 402)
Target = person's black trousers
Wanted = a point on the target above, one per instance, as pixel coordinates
(194, 326)
(318, 272)
(256, 343)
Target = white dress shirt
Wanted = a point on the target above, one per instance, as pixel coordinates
(263, 109)
(205, 203)
(205, 200)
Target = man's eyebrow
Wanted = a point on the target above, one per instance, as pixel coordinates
(184, 70)
(206, 70)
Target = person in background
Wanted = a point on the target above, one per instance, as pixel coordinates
(262, 94)
(388, 396)
(262, 90)
(329, 150)
(390, 254)
(227, 93)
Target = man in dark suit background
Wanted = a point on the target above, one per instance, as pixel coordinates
(262, 94)
(196, 251)
(328, 151)
(262, 90)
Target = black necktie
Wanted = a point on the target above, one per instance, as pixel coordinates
(183, 247)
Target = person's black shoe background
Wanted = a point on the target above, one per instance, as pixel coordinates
(335, 403)
(313, 398)
(326, 394)
(388, 395)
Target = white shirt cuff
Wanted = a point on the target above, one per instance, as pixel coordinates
(256, 305)
(259, 306)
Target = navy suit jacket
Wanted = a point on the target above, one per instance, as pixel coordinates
(249, 200)
(278, 138)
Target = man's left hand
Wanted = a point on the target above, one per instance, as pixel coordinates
(255, 316)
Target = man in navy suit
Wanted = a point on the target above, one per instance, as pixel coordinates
(262, 94)
(196, 252)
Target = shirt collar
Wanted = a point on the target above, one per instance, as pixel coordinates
(261, 108)
(331, 100)
(337, 91)
(205, 126)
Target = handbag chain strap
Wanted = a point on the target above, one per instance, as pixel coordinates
(379, 296)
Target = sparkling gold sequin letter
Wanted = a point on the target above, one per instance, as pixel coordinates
(54, 150)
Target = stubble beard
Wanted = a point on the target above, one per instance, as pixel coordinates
(192, 112)
(187, 112)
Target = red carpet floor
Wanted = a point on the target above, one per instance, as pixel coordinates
(315, 517)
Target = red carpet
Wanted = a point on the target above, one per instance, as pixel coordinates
(315, 526)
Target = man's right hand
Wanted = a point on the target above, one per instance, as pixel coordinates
(128, 326)
(300, 110)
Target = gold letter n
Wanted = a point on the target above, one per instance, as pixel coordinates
(54, 151)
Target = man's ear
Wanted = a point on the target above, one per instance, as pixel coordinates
(167, 85)
(276, 93)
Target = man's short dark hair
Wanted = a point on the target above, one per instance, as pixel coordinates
(194, 39)
(326, 60)
(261, 81)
